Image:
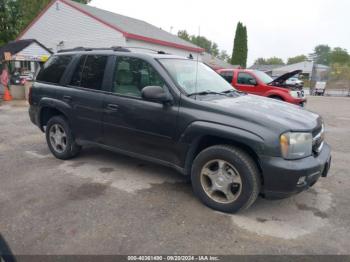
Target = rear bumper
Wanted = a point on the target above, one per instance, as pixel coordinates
(283, 178)
(34, 115)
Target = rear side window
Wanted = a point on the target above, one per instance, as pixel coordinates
(245, 79)
(53, 69)
(227, 75)
(89, 72)
(78, 73)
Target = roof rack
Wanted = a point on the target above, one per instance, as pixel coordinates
(149, 49)
(113, 48)
(80, 48)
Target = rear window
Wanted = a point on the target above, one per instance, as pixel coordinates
(54, 68)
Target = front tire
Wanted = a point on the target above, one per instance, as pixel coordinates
(60, 139)
(225, 178)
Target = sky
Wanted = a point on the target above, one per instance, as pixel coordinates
(275, 27)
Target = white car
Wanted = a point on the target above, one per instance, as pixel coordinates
(294, 81)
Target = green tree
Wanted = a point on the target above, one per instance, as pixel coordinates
(260, 61)
(269, 61)
(16, 15)
(240, 46)
(274, 61)
(340, 72)
(201, 41)
(224, 56)
(321, 54)
(184, 35)
(245, 45)
(296, 59)
(9, 17)
(339, 56)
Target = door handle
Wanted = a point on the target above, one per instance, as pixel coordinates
(67, 98)
(113, 107)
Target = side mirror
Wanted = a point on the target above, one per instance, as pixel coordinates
(252, 82)
(155, 93)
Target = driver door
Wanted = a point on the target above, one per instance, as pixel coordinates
(133, 124)
(247, 83)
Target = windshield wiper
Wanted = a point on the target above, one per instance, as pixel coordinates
(232, 91)
(203, 93)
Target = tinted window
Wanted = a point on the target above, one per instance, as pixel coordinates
(132, 75)
(228, 76)
(78, 73)
(90, 71)
(245, 79)
(93, 72)
(54, 69)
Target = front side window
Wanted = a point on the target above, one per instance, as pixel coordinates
(132, 75)
(54, 68)
(245, 79)
(89, 72)
(194, 77)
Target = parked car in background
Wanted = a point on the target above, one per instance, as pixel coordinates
(179, 113)
(259, 83)
(320, 89)
(16, 79)
(294, 81)
(27, 76)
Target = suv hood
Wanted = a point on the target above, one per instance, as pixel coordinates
(285, 77)
(267, 112)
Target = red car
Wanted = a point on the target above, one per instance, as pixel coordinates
(259, 83)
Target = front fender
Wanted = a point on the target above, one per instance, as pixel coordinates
(197, 130)
(200, 129)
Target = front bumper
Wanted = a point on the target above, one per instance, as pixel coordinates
(283, 178)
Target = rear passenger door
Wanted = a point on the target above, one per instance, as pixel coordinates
(85, 96)
(133, 124)
(228, 76)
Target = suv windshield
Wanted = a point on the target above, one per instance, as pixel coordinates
(263, 77)
(195, 77)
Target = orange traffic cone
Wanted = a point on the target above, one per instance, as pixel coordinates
(7, 95)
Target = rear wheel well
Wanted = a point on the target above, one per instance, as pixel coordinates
(46, 114)
(208, 141)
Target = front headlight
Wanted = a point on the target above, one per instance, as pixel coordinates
(296, 145)
(294, 94)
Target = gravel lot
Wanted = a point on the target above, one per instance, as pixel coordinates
(105, 203)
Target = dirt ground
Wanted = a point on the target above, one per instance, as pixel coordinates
(105, 203)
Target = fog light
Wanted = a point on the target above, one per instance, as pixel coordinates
(301, 180)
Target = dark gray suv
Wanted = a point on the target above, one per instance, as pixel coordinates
(179, 113)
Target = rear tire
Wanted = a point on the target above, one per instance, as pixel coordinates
(60, 139)
(235, 187)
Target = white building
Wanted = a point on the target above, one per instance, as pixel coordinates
(24, 55)
(66, 24)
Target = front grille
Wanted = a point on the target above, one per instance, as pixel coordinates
(318, 140)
